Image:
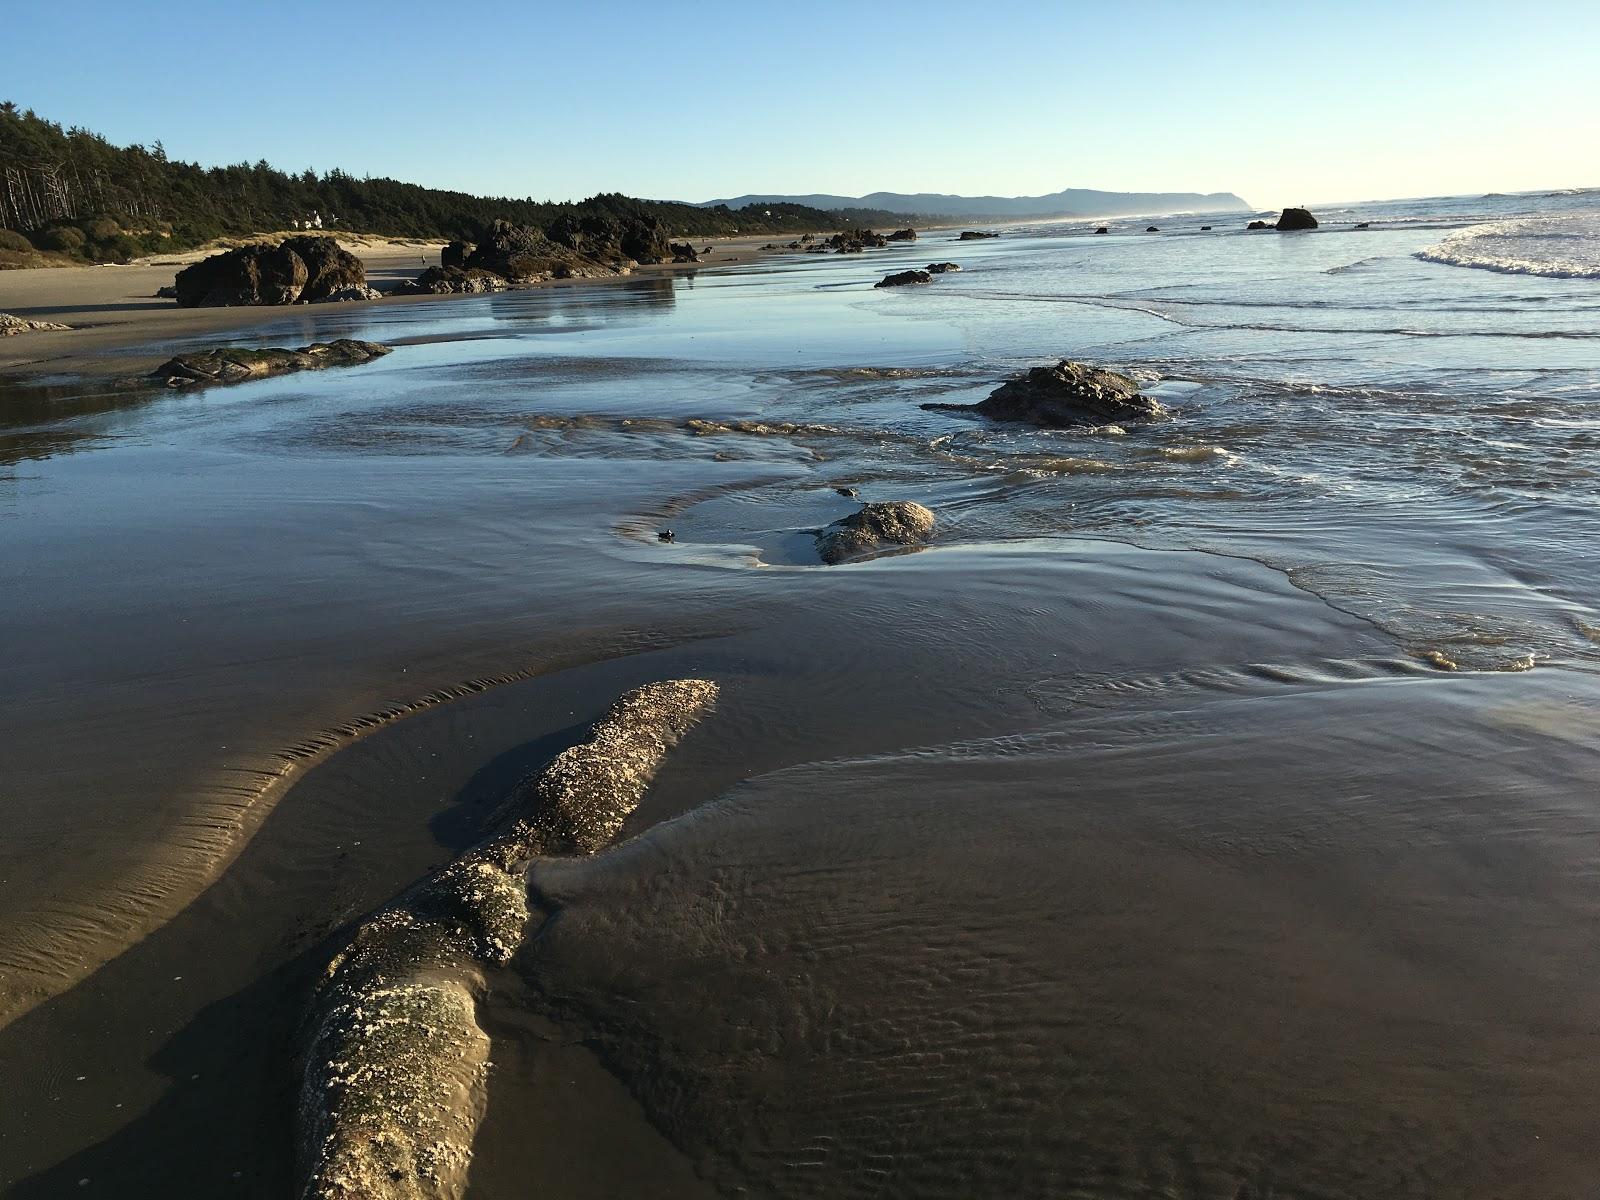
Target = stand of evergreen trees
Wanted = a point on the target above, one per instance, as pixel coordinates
(72, 192)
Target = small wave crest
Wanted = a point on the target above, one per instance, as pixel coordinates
(1559, 247)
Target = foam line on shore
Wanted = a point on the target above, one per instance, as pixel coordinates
(50, 948)
(395, 1066)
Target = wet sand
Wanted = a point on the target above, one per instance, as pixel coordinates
(1140, 907)
(113, 310)
(1128, 841)
(373, 817)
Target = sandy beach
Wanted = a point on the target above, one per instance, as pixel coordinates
(113, 307)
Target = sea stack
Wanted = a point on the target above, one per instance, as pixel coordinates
(1296, 218)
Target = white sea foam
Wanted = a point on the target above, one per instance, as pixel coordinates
(1565, 246)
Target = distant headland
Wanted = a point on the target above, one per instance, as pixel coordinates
(1070, 202)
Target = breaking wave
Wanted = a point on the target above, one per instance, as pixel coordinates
(1560, 247)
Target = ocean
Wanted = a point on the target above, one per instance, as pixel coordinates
(1208, 810)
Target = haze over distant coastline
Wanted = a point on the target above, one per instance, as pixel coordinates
(1069, 202)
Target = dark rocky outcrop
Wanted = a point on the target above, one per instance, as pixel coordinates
(330, 267)
(456, 254)
(450, 281)
(1363, 225)
(975, 235)
(235, 365)
(259, 274)
(523, 254)
(854, 241)
(901, 278)
(941, 268)
(1152, 229)
(683, 252)
(608, 239)
(1103, 229)
(1067, 394)
(1292, 219)
(296, 269)
(1258, 225)
(875, 529)
(1205, 229)
(902, 235)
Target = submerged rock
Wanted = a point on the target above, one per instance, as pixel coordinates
(1065, 395)
(1295, 218)
(1363, 225)
(235, 365)
(901, 278)
(1152, 229)
(941, 268)
(975, 235)
(1258, 225)
(1103, 229)
(10, 325)
(874, 529)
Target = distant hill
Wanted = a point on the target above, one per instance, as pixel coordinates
(1072, 202)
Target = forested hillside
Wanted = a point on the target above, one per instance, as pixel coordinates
(72, 192)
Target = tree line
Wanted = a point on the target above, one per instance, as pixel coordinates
(70, 191)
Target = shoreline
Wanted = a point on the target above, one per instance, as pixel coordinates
(113, 309)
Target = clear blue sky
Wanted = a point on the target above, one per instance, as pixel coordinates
(1280, 102)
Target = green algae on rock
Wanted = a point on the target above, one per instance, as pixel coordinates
(237, 364)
